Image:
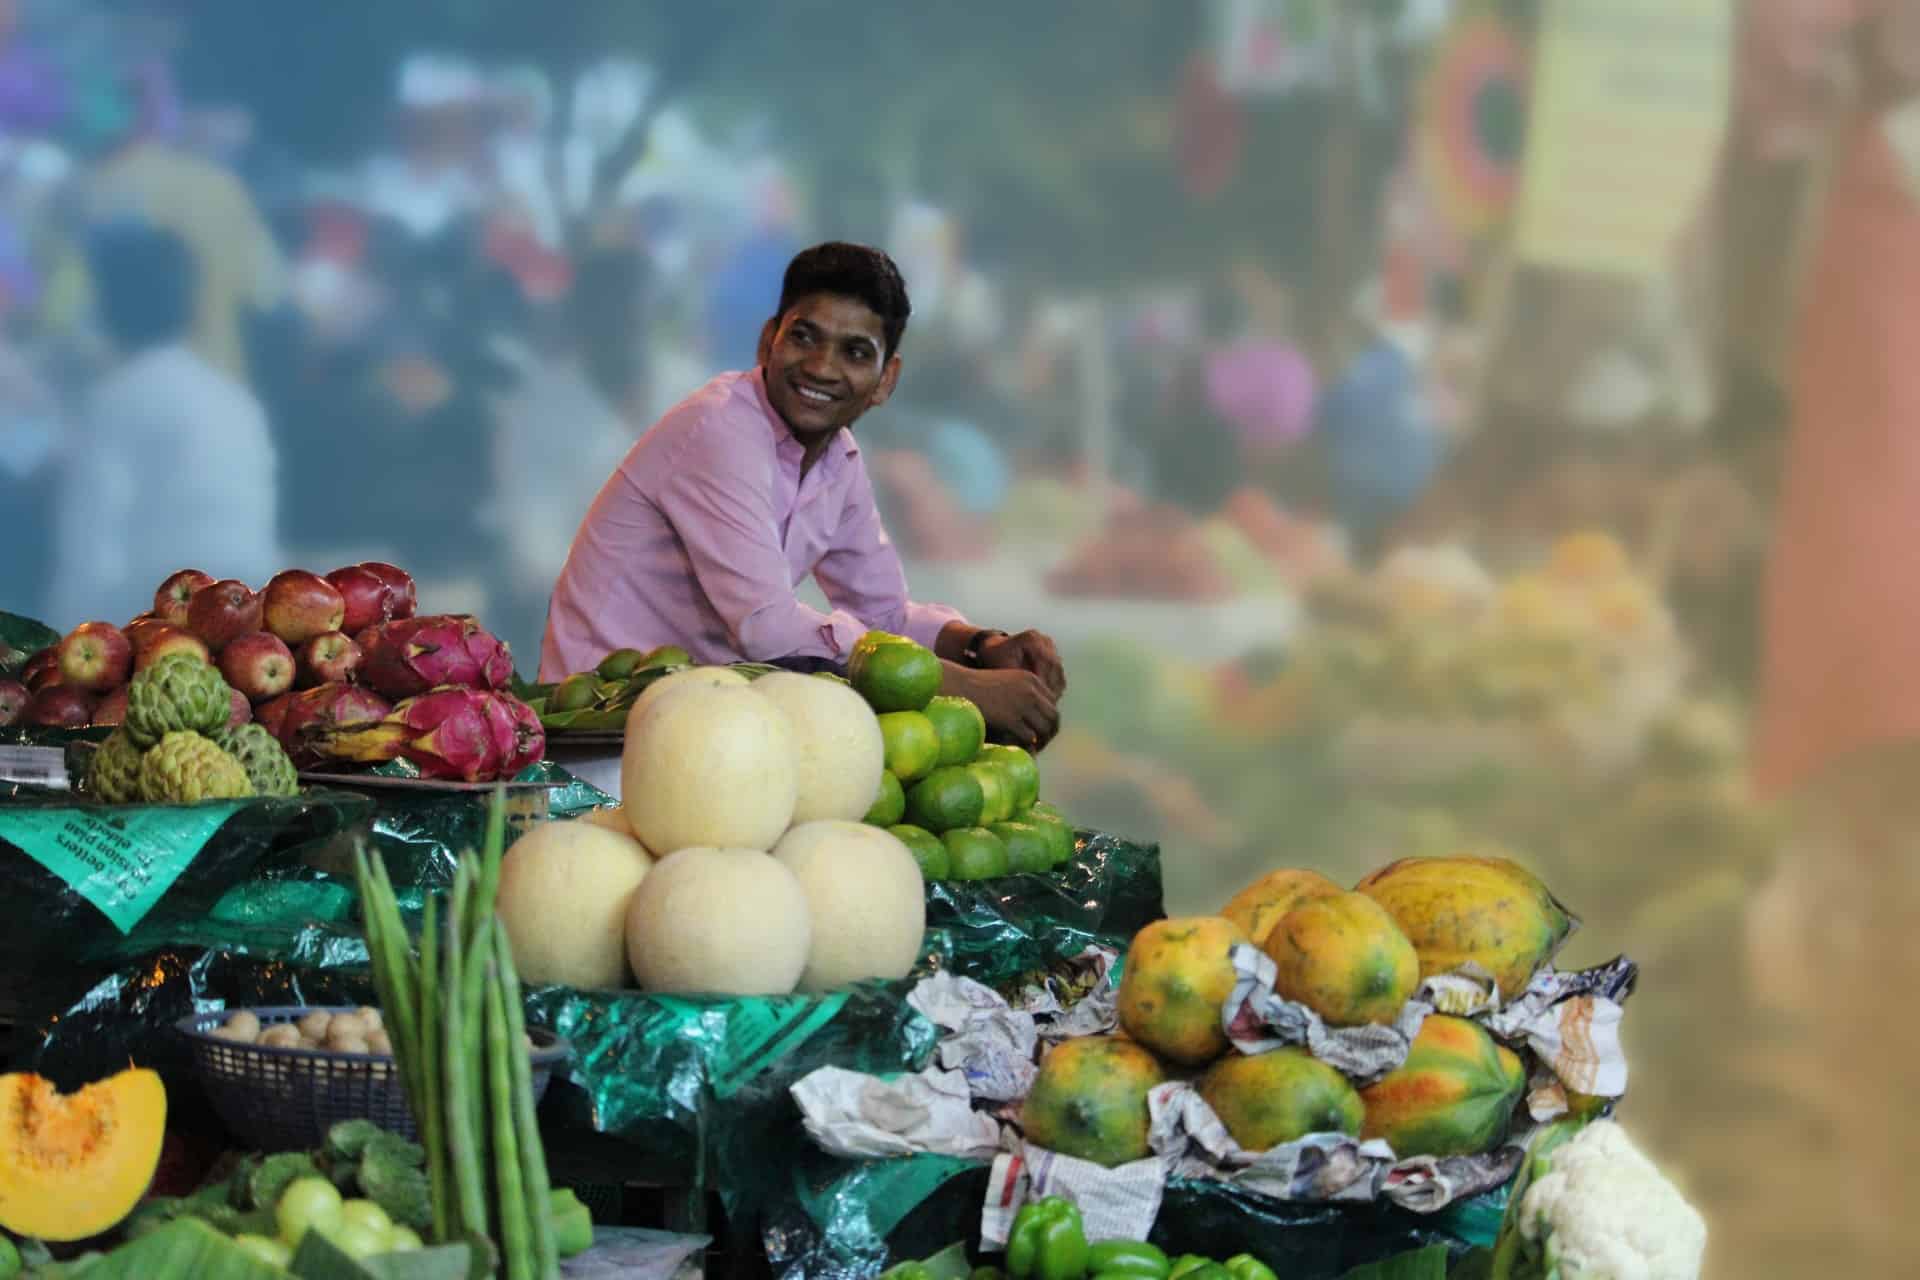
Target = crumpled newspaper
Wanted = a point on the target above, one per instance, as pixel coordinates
(992, 1044)
(1571, 1021)
(1095, 1013)
(1117, 1204)
(1258, 1019)
(860, 1117)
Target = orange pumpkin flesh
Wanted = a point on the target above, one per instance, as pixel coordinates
(73, 1165)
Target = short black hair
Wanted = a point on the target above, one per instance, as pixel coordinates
(145, 283)
(851, 271)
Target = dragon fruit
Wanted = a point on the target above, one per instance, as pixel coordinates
(312, 717)
(470, 735)
(413, 655)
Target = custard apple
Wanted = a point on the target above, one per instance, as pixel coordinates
(187, 768)
(177, 692)
(264, 759)
(113, 775)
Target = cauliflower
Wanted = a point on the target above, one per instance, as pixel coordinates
(1597, 1209)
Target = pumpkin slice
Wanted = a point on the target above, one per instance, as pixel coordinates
(74, 1164)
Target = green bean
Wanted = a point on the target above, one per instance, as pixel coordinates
(533, 1155)
(428, 1107)
(473, 1015)
(456, 1065)
(516, 1233)
(402, 1019)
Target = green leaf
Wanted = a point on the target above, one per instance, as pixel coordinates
(950, 1263)
(1477, 1265)
(1428, 1263)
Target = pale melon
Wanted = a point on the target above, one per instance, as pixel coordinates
(711, 767)
(866, 897)
(837, 747)
(720, 921)
(564, 891)
(680, 681)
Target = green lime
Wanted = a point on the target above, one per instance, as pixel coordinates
(945, 799)
(895, 675)
(575, 693)
(1028, 847)
(976, 853)
(996, 790)
(927, 850)
(1058, 830)
(1021, 768)
(961, 727)
(890, 806)
(667, 655)
(912, 746)
(620, 664)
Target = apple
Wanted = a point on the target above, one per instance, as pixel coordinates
(14, 697)
(258, 664)
(404, 599)
(111, 709)
(42, 669)
(299, 606)
(242, 709)
(176, 593)
(272, 713)
(327, 659)
(224, 611)
(143, 625)
(60, 707)
(96, 657)
(370, 597)
(165, 639)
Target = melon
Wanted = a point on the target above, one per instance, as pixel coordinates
(866, 898)
(719, 921)
(838, 752)
(564, 890)
(712, 768)
(680, 681)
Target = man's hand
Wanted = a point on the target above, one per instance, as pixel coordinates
(1031, 651)
(1015, 703)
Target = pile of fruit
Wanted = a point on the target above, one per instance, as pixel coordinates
(182, 739)
(1352, 958)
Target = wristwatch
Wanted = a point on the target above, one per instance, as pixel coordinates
(976, 642)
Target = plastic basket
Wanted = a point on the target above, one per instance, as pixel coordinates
(285, 1099)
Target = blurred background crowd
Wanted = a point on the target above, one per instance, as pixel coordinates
(1392, 406)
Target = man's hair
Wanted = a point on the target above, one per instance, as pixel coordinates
(146, 283)
(851, 271)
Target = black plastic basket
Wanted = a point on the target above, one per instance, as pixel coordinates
(285, 1099)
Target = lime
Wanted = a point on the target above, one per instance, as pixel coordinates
(1028, 847)
(620, 664)
(1020, 768)
(891, 804)
(912, 746)
(945, 799)
(927, 850)
(961, 727)
(667, 655)
(575, 693)
(1058, 830)
(996, 791)
(895, 675)
(976, 853)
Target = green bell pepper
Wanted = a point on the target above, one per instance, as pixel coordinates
(1244, 1266)
(1128, 1258)
(987, 1273)
(1048, 1242)
(1186, 1264)
(907, 1271)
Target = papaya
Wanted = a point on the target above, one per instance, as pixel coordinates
(1344, 958)
(73, 1165)
(1178, 974)
(1266, 1099)
(1257, 906)
(1453, 1096)
(1090, 1100)
(1490, 911)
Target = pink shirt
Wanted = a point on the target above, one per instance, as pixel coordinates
(701, 535)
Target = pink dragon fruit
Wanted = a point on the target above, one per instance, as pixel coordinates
(470, 735)
(413, 655)
(313, 717)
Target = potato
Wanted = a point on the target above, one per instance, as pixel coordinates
(347, 1024)
(377, 1042)
(314, 1025)
(369, 1018)
(346, 1044)
(283, 1036)
(244, 1024)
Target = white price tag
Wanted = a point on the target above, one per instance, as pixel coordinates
(35, 766)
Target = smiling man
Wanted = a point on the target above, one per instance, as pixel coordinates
(754, 482)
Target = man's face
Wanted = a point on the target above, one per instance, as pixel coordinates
(825, 364)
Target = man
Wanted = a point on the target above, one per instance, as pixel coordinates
(754, 482)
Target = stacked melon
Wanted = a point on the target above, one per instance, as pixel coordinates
(738, 863)
(967, 811)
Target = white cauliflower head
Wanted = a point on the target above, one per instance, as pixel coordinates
(1603, 1211)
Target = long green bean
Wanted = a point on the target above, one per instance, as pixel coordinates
(456, 1065)
(516, 1233)
(533, 1155)
(429, 1107)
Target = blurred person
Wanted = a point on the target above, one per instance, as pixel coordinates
(171, 465)
(754, 483)
(1195, 446)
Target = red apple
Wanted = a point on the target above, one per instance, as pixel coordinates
(42, 669)
(223, 612)
(331, 658)
(370, 598)
(164, 640)
(60, 707)
(401, 582)
(272, 713)
(111, 709)
(301, 605)
(14, 697)
(176, 593)
(242, 709)
(140, 626)
(258, 664)
(95, 657)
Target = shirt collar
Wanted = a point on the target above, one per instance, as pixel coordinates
(843, 444)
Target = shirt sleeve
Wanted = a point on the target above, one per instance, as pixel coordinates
(725, 520)
(862, 575)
